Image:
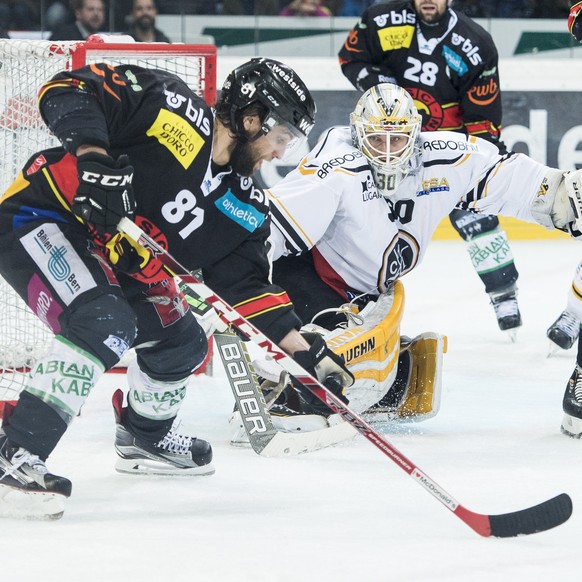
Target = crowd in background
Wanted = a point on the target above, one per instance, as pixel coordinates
(53, 14)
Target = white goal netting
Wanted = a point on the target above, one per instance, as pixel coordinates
(24, 66)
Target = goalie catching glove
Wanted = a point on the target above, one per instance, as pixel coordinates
(327, 367)
(105, 194)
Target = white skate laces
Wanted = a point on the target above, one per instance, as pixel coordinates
(23, 457)
(577, 388)
(507, 312)
(506, 308)
(175, 443)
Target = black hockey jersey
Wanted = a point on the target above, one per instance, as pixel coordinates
(450, 69)
(205, 215)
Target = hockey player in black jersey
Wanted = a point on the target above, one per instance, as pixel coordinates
(139, 143)
(448, 63)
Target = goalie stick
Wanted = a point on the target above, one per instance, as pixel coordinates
(542, 517)
(263, 437)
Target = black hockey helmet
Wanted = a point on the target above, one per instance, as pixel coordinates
(575, 21)
(276, 87)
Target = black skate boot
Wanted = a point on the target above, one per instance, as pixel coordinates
(572, 405)
(506, 310)
(564, 331)
(175, 454)
(27, 489)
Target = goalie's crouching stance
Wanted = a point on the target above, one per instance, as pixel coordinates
(396, 378)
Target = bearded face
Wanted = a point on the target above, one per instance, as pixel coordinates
(431, 11)
(245, 158)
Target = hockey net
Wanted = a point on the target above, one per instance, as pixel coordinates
(24, 66)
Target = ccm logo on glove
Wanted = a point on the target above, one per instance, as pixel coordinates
(104, 180)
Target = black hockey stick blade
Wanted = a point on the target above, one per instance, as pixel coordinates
(546, 515)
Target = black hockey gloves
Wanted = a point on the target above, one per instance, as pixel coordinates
(327, 367)
(105, 194)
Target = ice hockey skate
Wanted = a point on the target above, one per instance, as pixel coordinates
(563, 332)
(175, 454)
(507, 311)
(27, 489)
(572, 405)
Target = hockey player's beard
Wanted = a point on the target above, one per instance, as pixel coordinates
(244, 158)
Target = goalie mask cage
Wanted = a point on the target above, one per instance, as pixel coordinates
(24, 66)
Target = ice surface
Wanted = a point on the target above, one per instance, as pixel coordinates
(347, 513)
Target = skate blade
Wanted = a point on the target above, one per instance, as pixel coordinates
(30, 505)
(511, 334)
(151, 467)
(555, 350)
(571, 426)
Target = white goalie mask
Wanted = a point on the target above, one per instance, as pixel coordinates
(386, 128)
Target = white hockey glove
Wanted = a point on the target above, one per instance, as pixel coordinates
(327, 367)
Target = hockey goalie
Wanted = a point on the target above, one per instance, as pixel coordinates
(357, 214)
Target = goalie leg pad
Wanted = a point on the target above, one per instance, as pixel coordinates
(370, 347)
(415, 394)
(423, 393)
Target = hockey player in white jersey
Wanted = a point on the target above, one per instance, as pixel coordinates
(367, 199)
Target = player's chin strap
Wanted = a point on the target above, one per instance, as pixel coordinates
(546, 515)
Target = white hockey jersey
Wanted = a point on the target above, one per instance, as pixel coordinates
(362, 242)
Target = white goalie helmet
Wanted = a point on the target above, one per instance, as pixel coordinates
(386, 128)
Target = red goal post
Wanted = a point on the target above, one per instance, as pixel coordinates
(24, 66)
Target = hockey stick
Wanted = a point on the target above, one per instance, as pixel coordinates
(542, 517)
